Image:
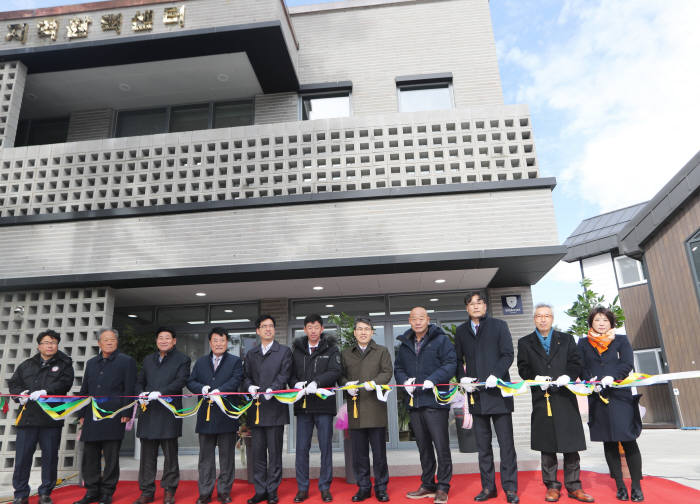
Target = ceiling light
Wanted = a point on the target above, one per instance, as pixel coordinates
(195, 322)
(230, 321)
(440, 281)
(125, 87)
(432, 300)
(200, 294)
(31, 96)
(228, 311)
(222, 77)
(318, 288)
(132, 315)
(330, 306)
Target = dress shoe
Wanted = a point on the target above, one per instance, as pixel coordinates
(204, 499)
(486, 495)
(381, 495)
(105, 499)
(257, 498)
(88, 499)
(581, 496)
(169, 497)
(362, 495)
(552, 495)
(637, 495)
(45, 499)
(440, 497)
(512, 497)
(421, 493)
(21, 500)
(301, 496)
(144, 499)
(326, 496)
(622, 494)
(272, 499)
(225, 498)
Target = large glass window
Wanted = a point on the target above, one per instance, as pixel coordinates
(42, 131)
(228, 115)
(629, 271)
(648, 361)
(694, 251)
(142, 122)
(417, 97)
(189, 118)
(325, 106)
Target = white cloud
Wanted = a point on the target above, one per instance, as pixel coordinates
(626, 76)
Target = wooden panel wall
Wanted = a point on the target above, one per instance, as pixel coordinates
(657, 400)
(677, 304)
(639, 317)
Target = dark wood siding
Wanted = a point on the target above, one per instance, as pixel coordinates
(677, 304)
(657, 401)
(639, 317)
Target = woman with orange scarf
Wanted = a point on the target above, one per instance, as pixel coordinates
(613, 413)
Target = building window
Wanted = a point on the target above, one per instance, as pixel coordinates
(629, 271)
(42, 131)
(431, 96)
(142, 122)
(325, 106)
(189, 118)
(648, 361)
(230, 114)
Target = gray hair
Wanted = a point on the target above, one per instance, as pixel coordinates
(543, 305)
(103, 330)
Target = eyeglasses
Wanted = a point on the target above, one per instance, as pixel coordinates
(363, 329)
(49, 343)
(267, 326)
(544, 316)
(476, 303)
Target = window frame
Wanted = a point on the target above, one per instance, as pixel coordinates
(657, 354)
(618, 272)
(694, 272)
(325, 94)
(424, 85)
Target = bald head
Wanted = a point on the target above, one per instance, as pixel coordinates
(419, 320)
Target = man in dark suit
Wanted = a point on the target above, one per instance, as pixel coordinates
(267, 367)
(109, 374)
(556, 421)
(164, 372)
(484, 354)
(218, 371)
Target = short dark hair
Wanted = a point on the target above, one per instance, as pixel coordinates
(363, 320)
(218, 330)
(605, 311)
(264, 317)
(50, 333)
(470, 296)
(312, 318)
(166, 329)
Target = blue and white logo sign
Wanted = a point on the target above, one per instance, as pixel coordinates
(512, 305)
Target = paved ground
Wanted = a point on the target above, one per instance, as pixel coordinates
(671, 454)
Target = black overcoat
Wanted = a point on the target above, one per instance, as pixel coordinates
(55, 376)
(226, 378)
(269, 371)
(563, 431)
(322, 366)
(619, 420)
(489, 352)
(166, 377)
(108, 378)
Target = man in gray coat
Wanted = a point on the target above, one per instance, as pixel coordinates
(267, 367)
(164, 372)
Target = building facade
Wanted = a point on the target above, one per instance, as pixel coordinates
(197, 163)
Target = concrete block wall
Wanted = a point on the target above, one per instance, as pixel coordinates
(13, 75)
(75, 314)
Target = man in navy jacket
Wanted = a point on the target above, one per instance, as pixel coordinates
(427, 356)
(219, 371)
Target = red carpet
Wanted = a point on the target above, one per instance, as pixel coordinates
(464, 488)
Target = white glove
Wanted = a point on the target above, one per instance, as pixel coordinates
(205, 390)
(267, 394)
(215, 391)
(466, 383)
(428, 385)
(311, 388)
(154, 395)
(34, 396)
(368, 386)
(597, 388)
(605, 382)
(23, 400)
(143, 398)
(563, 381)
(353, 391)
(408, 386)
(544, 386)
(491, 382)
(253, 390)
(300, 385)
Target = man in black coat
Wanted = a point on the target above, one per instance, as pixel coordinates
(484, 354)
(267, 367)
(218, 371)
(164, 372)
(556, 422)
(316, 363)
(110, 375)
(426, 355)
(49, 372)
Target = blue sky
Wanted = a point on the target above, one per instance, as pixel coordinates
(612, 87)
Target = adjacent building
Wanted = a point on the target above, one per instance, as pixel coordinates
(198, 162)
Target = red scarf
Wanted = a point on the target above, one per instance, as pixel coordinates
(601, 342)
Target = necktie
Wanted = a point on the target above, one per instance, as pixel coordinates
(216, 362)
(476, 328)
(313, 349)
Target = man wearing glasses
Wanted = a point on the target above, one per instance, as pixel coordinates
(546, 355)
(49, 372)
(484, 354)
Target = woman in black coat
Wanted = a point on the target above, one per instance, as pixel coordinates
(613, 413)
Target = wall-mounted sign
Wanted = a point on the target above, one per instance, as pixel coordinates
(512, 305)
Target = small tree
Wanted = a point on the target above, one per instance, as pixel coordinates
(346, 329)
(585, 303)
